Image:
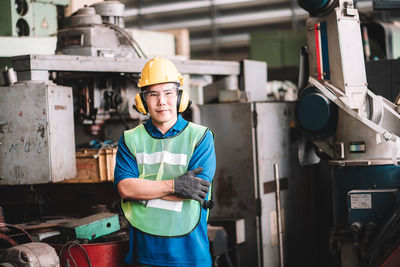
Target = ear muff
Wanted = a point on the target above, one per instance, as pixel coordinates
(183, 102)
(140, 104)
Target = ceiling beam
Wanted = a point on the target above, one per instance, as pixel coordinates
(196, 5)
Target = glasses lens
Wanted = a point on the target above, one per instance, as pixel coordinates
(153, 96)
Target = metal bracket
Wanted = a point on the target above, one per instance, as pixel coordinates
(349, 9)
(339, 150)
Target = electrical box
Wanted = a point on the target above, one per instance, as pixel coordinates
(29, 17)
(371, 205)
(37, 140)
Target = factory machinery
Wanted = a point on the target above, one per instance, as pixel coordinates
(86, 91)
(61, 101)
(356, 130)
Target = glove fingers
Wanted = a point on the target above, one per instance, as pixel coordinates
(197, 198)
(200, 197)
(204, 183)
(203, 195)
(204, 189)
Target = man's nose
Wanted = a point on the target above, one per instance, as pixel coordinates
(161, 99)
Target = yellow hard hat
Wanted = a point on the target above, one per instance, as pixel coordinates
(159, 70)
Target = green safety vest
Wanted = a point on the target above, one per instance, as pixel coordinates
(163, 159)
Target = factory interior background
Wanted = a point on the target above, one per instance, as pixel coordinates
(302, 98)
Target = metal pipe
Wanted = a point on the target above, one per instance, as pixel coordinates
(8, 239)
(196, 116)
(278, 214)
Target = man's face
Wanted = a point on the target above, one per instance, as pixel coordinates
(161, 100)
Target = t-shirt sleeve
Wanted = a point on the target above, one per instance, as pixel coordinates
(204, 156)
(125, 165)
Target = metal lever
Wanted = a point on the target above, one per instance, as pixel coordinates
(278, 213)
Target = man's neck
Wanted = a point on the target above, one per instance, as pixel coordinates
(164, 127)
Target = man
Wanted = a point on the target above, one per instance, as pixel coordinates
(175, 163)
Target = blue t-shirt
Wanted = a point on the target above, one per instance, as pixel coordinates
(190, 250)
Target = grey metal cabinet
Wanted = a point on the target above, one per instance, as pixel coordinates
(249, 139)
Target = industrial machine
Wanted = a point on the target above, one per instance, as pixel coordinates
(86, 91)
(27, 26)
(29, 17)
(105, 20)
(35, 129)
(30, 255)
(356, 130)
(98, 31)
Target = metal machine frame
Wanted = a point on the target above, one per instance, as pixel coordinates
(356, 130)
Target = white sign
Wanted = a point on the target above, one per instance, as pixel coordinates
(360, 201)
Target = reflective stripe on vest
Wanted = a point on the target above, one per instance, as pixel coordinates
(163, 159)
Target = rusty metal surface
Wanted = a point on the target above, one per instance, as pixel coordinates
(231, 124)
(36, 134)
(8, 239)
(13, 235)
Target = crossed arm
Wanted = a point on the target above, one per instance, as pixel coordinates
(186, 186)
(142, 189)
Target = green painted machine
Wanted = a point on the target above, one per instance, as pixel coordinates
(91, 227)
(29, 17)
(35, 21)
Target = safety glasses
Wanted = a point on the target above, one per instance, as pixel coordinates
(153, 96)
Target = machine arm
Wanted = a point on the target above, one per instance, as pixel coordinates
(335, 110)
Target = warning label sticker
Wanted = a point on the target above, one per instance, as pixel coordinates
(360, 201)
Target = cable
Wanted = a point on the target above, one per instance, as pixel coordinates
(19, 228)
(138, 50)
(70, 255)
(104, 145)
(387, 232)
(69, 245)
(128, 37)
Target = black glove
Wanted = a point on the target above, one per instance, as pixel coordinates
(188, 186)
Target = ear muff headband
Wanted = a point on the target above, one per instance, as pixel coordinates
(183, 102)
